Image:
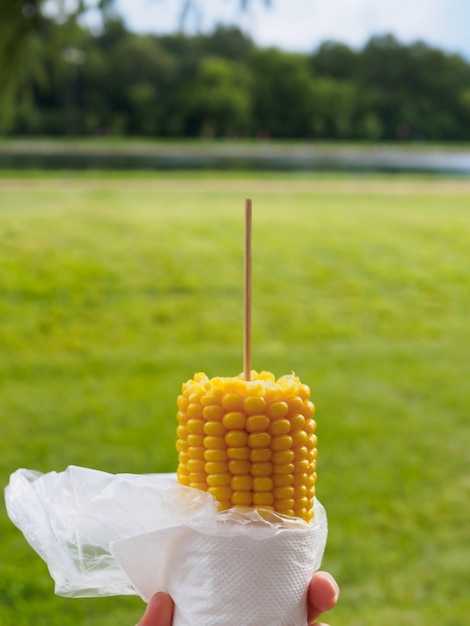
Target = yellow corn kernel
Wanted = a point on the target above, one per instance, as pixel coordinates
(195, 396)
(195, 465)
(215, 455)
(182, 475)
(197, 477)
(219, 480)
(283, 457)
(183, 458)
(236, 439)
(196, 485)
(285, 503)
(278, 410)
(194, 410)
(283, 493)
(241, 483)
(269, 376)
(285, 468)
(280, 427)
(301, 467)
(297, 421)
(195, 427)
(261, 469)
(213, 413)
(254, 404)
(234, 420)
(290, 512)
(310, 480)
(284, 442)
(214, 428)
(182, 402)
(312, 441)
(214, 442)
(308, 409)
(302, 503)
(260, 455)
(303, 479)
(195, 453)
(239, 467)
(262, 483)
(181, 445)
(259, 440)
(216, 467)
(232, 402)
(303, 513)
(257, 423)
(282, 480)
(299, 438)
(238, 454)
(195, 440)
(242, 498)
(182, 432)
(212, 398)
(182, 418)
(249, 443)
(304, 392)
(300, 491)
(221, 493)
(263, 498)
(295, 404)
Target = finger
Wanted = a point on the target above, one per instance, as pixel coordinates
(159, 611)
(323, 593)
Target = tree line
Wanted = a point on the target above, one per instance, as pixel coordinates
(73, 81)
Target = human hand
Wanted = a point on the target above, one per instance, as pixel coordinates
(159, 611)
(322, 596)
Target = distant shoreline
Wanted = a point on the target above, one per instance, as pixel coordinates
(106, 153)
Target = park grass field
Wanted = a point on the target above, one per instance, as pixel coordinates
(116, 288)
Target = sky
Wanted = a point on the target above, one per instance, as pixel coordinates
(301, 25)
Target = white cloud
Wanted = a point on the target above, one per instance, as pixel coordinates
(303, 24)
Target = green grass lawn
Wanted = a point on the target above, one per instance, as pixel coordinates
(114, 289)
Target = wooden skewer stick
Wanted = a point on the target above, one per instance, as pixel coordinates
(247, 294)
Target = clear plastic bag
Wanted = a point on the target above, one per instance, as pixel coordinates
(103, 534)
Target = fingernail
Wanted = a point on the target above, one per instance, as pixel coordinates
(334, 585)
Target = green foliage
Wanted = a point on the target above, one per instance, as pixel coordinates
(58, 78)
(282, 93)
(114, 290)
(218, 100)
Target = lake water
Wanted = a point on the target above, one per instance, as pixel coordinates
(233, 156)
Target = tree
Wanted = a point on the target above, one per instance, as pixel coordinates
(281, 92)
(228, 42)
(136, 97)
(333, 108)
(415, 91)
(218, 99)
(335, 60)
(29, 39)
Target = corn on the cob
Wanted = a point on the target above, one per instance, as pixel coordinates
(249, 443)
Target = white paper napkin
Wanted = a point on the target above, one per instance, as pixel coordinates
(229, 578)
(103, 534)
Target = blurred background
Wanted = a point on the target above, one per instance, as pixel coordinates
(222, 69)
(131, 133)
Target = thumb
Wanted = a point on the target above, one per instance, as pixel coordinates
(159, 611)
